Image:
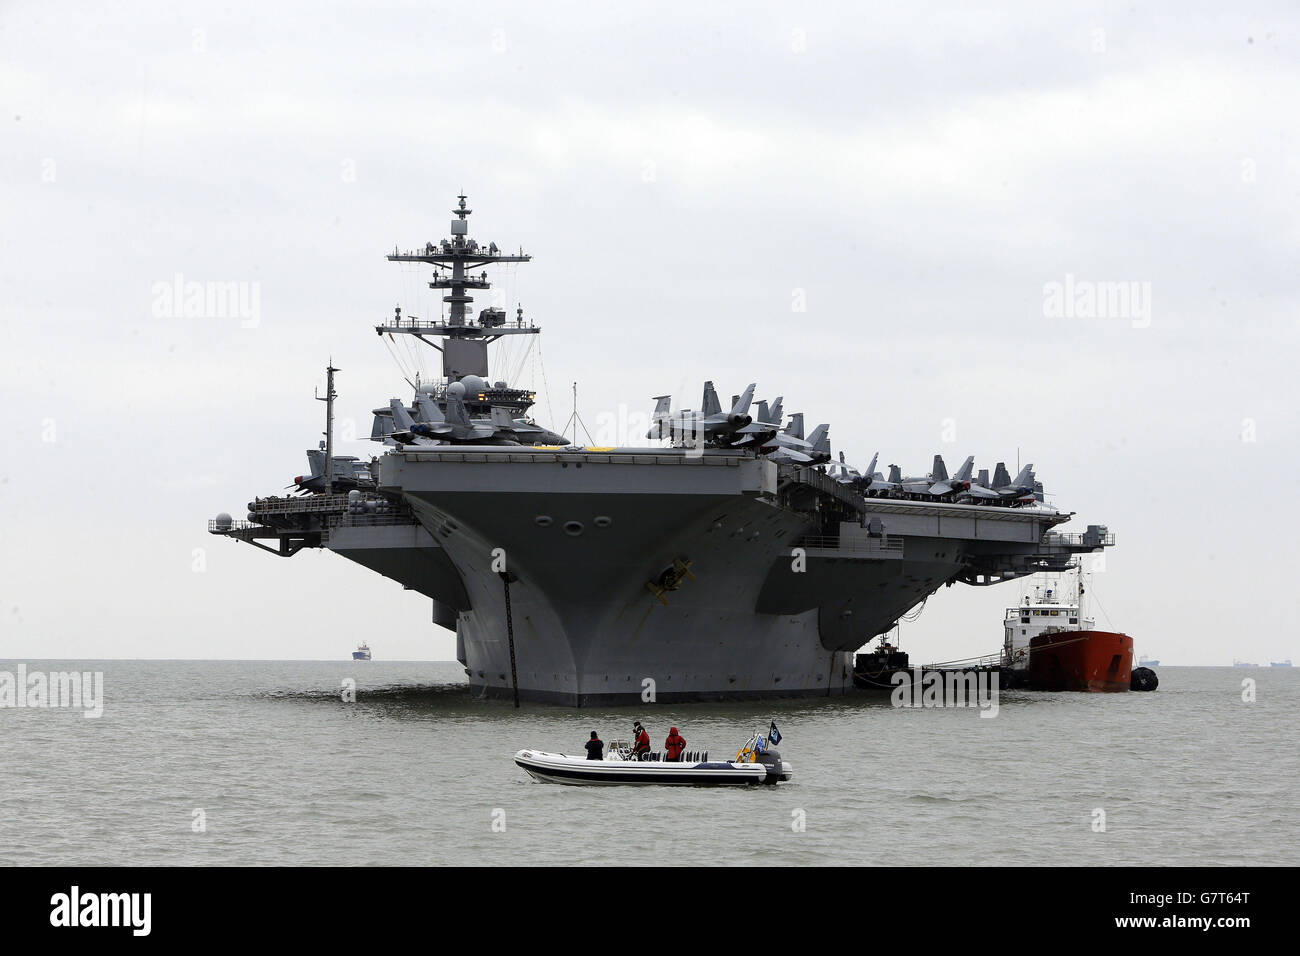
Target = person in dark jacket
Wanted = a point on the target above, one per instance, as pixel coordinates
(595, 748)
(674, 745)
(640, 741)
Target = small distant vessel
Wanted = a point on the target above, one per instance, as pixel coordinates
(1285, 663)
(756, 762)
(1049, 645)
(362, 653)
(1148, 662)
(1237, 663)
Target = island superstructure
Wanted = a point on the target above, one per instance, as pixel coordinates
(726, 563)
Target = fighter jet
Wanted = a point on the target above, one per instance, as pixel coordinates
(455, 427)
(522, 430)
(937, 483)
(789, 444)
(430, 426)
(958, 482)
(921, 484)
(882, 487)
(820, 440)
(349, 472)
(403, 430)
(848, 475)
(1019, 489)
(844, 473)
(709, 424)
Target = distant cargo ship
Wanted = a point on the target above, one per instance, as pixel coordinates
(362, 653)
(1285, 663)
(1149, 662)
(1237, 663)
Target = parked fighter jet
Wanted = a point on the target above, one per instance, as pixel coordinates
(523, 430)
(958, 482)
(1020, 489)
(430, 426)
(455, 426)
(848, 475)
(349, 472)
(882, 487)
(710, 423)
(937, 483)
(404, 427)
(791, 445)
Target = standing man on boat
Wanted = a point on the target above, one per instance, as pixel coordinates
(674, 745)
(595, 748)
(640, 741)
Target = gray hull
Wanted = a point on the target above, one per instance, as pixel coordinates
(584, 537)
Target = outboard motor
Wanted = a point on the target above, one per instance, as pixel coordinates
(771, 759)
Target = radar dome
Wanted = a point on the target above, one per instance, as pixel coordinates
(457, 389)
(473, 384)
(223, 522)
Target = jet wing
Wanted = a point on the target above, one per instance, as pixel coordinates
(789, 454)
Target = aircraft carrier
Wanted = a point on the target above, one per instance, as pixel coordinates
(734, 559)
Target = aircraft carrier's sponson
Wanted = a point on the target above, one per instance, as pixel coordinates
(712, 575)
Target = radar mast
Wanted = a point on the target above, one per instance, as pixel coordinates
(464, 338)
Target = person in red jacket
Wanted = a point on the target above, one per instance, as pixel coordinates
(674, 745)
(640, 741)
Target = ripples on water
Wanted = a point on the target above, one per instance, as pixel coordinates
(413, 772)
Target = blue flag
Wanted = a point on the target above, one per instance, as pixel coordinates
(774, 735)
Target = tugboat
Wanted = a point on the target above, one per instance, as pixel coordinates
(1049, 645)
(757, 761)
(362, 653)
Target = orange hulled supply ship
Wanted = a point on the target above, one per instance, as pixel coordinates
(1050, 645)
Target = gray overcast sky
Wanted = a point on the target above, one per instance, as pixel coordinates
(683, 177)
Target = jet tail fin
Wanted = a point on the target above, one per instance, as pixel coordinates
(1025, 479)
(895, 475)
(429, 410)
(456, 413)
(795, 428)
(402, 420)
(746, 398)
(663, 407)
(316, 461)
(820, 440)
(966, 470)
(1001, 477)
(709, 404)
(940, 471)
